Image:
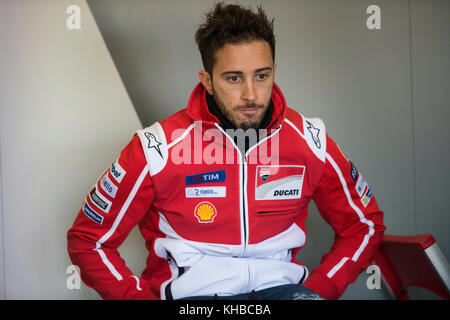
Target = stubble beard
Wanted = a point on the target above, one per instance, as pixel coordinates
(244, 125)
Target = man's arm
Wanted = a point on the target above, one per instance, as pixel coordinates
(117, 202)
(346, 202)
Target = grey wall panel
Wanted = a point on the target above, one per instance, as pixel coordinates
(64, 118)
(357, 80)
(153, 48)
(430, 29)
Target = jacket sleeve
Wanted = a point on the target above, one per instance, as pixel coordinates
(346, 202)
(115, 204)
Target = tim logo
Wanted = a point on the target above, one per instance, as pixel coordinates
(215, 176)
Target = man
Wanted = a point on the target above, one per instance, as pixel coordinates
(220, 189)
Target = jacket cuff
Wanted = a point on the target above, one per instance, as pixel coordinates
(127, 289)
(322, 285)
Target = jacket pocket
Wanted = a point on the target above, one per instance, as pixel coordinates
(277, 212)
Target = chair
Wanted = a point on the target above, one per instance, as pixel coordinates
(413, 261)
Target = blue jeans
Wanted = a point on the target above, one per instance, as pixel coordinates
(283, 292)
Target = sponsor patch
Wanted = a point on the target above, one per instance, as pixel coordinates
(314, 134)
(117, 171)
(99, 200)
(367, 197)
(91, 214)
(279, 182)
(316, 137)
(153, 142)
(264, 174)
(206, 192)
(353, 172)
(360, 185)
(109, 187)
(205, 212)
(214, 176)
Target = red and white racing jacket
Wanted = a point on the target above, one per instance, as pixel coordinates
(218, 221)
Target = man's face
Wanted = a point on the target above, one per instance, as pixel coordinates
(242, 82)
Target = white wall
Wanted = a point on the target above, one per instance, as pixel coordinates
(64, 117)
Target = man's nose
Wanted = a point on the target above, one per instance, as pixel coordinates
(249, 92)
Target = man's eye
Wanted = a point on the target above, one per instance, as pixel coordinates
(233, 79)
(262, 76)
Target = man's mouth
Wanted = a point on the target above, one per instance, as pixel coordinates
(249, 111)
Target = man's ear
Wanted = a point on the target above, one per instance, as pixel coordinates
(206, 80)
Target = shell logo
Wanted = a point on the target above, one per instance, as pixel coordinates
(205, 212)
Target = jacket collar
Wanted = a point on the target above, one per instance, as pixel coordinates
(197, 108)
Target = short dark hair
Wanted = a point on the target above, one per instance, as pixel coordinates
(232, 24)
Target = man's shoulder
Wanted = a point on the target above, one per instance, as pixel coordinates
(178, 120)
(171, 126)
(301, 122)
(312, 130)
(157, 138)
(294, 117)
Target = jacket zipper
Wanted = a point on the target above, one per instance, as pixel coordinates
(242, 169)
(243, 187)
(244, 207)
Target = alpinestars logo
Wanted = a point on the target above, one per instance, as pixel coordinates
(153, 143)
(314, 134)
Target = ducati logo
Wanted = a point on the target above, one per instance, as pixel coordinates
(264, 175)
